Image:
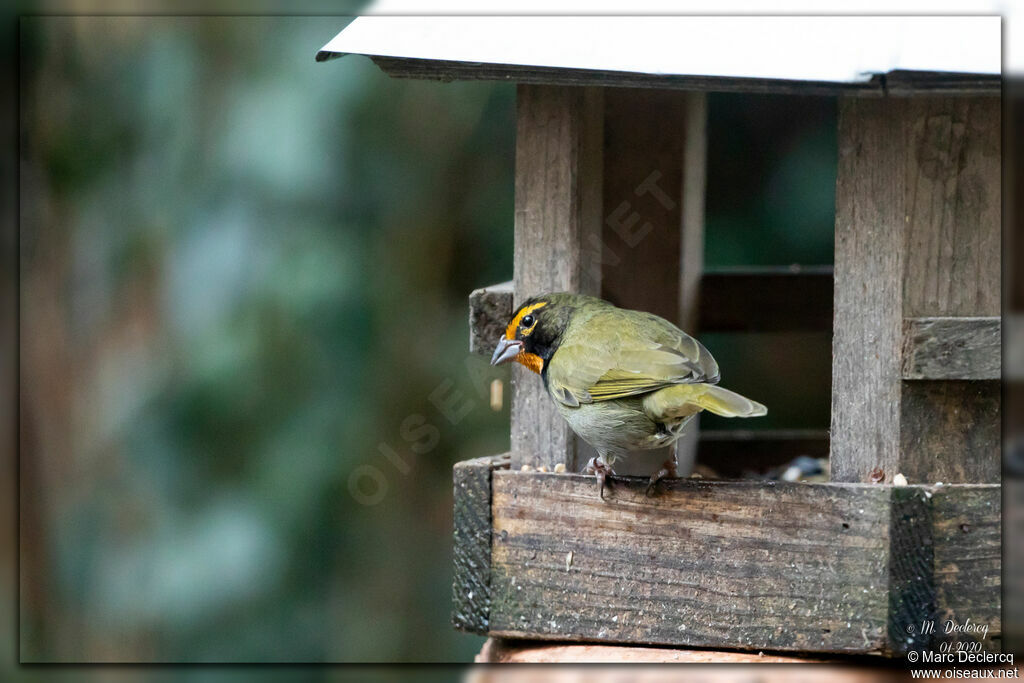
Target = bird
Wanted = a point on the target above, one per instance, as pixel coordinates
(624, 380)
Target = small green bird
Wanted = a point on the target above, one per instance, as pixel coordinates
(624, 380)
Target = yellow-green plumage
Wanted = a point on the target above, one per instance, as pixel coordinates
(624, 380)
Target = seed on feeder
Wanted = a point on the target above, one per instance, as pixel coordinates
(899, 480)
(497, 394)
(560, 467)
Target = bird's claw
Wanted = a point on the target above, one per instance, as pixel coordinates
(598, 467)
(668, 469)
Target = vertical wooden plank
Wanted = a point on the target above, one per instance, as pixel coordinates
(489, 311)
(917, 234)
(557, 238)
(950, 432)
(911, 561)
(953, 206)
(953, 252)
(643, 182)
(691, 259)
(868, 292)
(967, 532)
(653, 218)
(471, 584)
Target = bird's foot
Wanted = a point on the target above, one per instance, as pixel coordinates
(603, 470)
(668, 470)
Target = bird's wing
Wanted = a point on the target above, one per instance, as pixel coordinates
(622, 353)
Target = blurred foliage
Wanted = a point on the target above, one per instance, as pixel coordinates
(241, 272)
(243, 283)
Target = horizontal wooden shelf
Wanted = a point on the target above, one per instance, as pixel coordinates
(952, 348)
(835, 568)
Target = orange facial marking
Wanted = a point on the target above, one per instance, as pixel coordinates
(510, 331)
(530, 360)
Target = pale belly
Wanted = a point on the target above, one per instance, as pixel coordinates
(615, 428)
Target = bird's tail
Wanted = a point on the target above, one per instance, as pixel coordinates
(686, 399)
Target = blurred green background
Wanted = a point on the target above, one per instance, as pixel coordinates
(243, 300)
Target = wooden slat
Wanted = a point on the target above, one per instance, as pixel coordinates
(868, 299)
(489, 311)
(917, 235)
(710, 564)
(967, 533)
(906, 82)
(643, 182)
(471, 587)
(950, 181)
(653, 242)
(557, 238)
(951, 432)
(747, 565)
(952, 348)
(911, 560)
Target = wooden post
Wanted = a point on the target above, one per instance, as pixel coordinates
(471, 585)
(653, 232)
(557, 239)
(917, 236)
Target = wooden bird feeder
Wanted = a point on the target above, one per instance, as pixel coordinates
(611, 116)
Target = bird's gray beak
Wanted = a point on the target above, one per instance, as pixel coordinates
(507, 350)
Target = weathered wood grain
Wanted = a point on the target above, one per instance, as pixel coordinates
(557, 238)
(901, 82)
(489, 311)
(868, 296)
(691, 257)
(967, 533)
(471, 586)
(950, 177)
(952, 348)
(917, 235)
(911, 562)
(737, 564)
(950, 432)
(653, 243)
(643, 182)
(745, 565)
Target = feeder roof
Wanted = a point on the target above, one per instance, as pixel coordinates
(787, 53)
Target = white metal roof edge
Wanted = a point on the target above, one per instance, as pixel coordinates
(837, 49)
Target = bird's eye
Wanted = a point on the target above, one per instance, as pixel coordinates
(527, 321)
